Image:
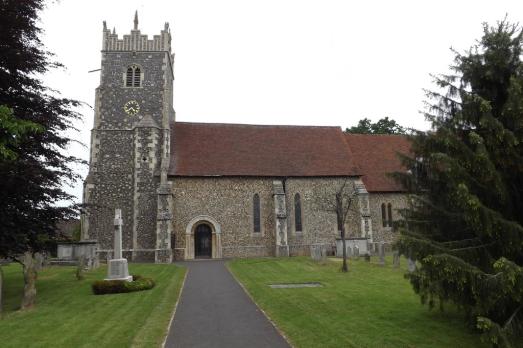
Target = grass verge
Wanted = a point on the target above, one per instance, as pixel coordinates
(68, 314)
(370, 306)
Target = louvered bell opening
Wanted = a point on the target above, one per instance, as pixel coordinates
(137, 77)
(129, 78)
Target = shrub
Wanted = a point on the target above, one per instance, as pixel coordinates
(139, 283)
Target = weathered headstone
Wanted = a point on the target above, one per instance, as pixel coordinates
(396, 259)
(381, 253)
(411, 265)
(39, 261)
(117, 268)
(356, 250)
(318, 252)
(80, 268)
(349, 251)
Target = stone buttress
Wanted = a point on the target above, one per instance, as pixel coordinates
(363, 202)
(282, 246)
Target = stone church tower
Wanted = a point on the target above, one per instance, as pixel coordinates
(130, 146)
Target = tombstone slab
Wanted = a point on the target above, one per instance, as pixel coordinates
(381, 252)
(411, 265)
(396, 259)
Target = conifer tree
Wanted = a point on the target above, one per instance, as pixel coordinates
(464, 225)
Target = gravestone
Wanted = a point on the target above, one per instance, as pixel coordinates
(411, 265)
(318, 252)
(349, 251)
(71, 252)
(396, 259)
(117, 268)
(361, 243)
(381, 252)
(356, 251)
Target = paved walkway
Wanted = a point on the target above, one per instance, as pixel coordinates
(214, 311)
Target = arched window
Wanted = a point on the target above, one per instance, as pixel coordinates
(383, 215)
(256, 213)
(389, 211)
(133, 77)
(137, 77)
(297, 213)
(129, 77)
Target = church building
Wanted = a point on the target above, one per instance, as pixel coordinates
(211, 190)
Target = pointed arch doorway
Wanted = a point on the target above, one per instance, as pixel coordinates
(203, 242)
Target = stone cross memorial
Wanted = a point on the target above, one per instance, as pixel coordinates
(117, 267)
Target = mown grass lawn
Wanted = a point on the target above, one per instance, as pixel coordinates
(370, 306)
(67, 314)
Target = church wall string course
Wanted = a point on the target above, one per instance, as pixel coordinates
(190, 190)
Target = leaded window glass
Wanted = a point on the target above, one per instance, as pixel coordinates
(383, 215)
(297, 213)
(256, 213)
(389, 211)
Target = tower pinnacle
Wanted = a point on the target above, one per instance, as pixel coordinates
(136, 20)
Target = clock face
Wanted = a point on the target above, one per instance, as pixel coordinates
(131, 108)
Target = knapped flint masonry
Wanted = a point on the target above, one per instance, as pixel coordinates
(189, 190)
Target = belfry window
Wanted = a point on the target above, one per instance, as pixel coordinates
(256, 213)
(133, 76)
(297, 213)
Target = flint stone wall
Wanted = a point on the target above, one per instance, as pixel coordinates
(230, 202)
(398, 201)
(125, 162)
(318, 224)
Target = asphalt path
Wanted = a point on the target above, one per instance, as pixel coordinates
(215, 311)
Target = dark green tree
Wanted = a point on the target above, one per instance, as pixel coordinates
(12, 131)
(465, 223)
(383, 126)
(32, 180)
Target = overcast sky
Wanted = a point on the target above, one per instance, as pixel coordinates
(297, 62)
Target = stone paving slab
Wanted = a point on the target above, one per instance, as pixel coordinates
(214, 311)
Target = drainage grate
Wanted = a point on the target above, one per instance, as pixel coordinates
(296, 285)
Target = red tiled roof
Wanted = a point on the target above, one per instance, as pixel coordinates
(215, 149)
(377, 155)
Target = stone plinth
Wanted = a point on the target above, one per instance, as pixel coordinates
(117, 270)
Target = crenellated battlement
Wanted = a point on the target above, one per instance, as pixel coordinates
(136, 41)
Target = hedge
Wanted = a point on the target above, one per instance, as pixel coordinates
(139, 283)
